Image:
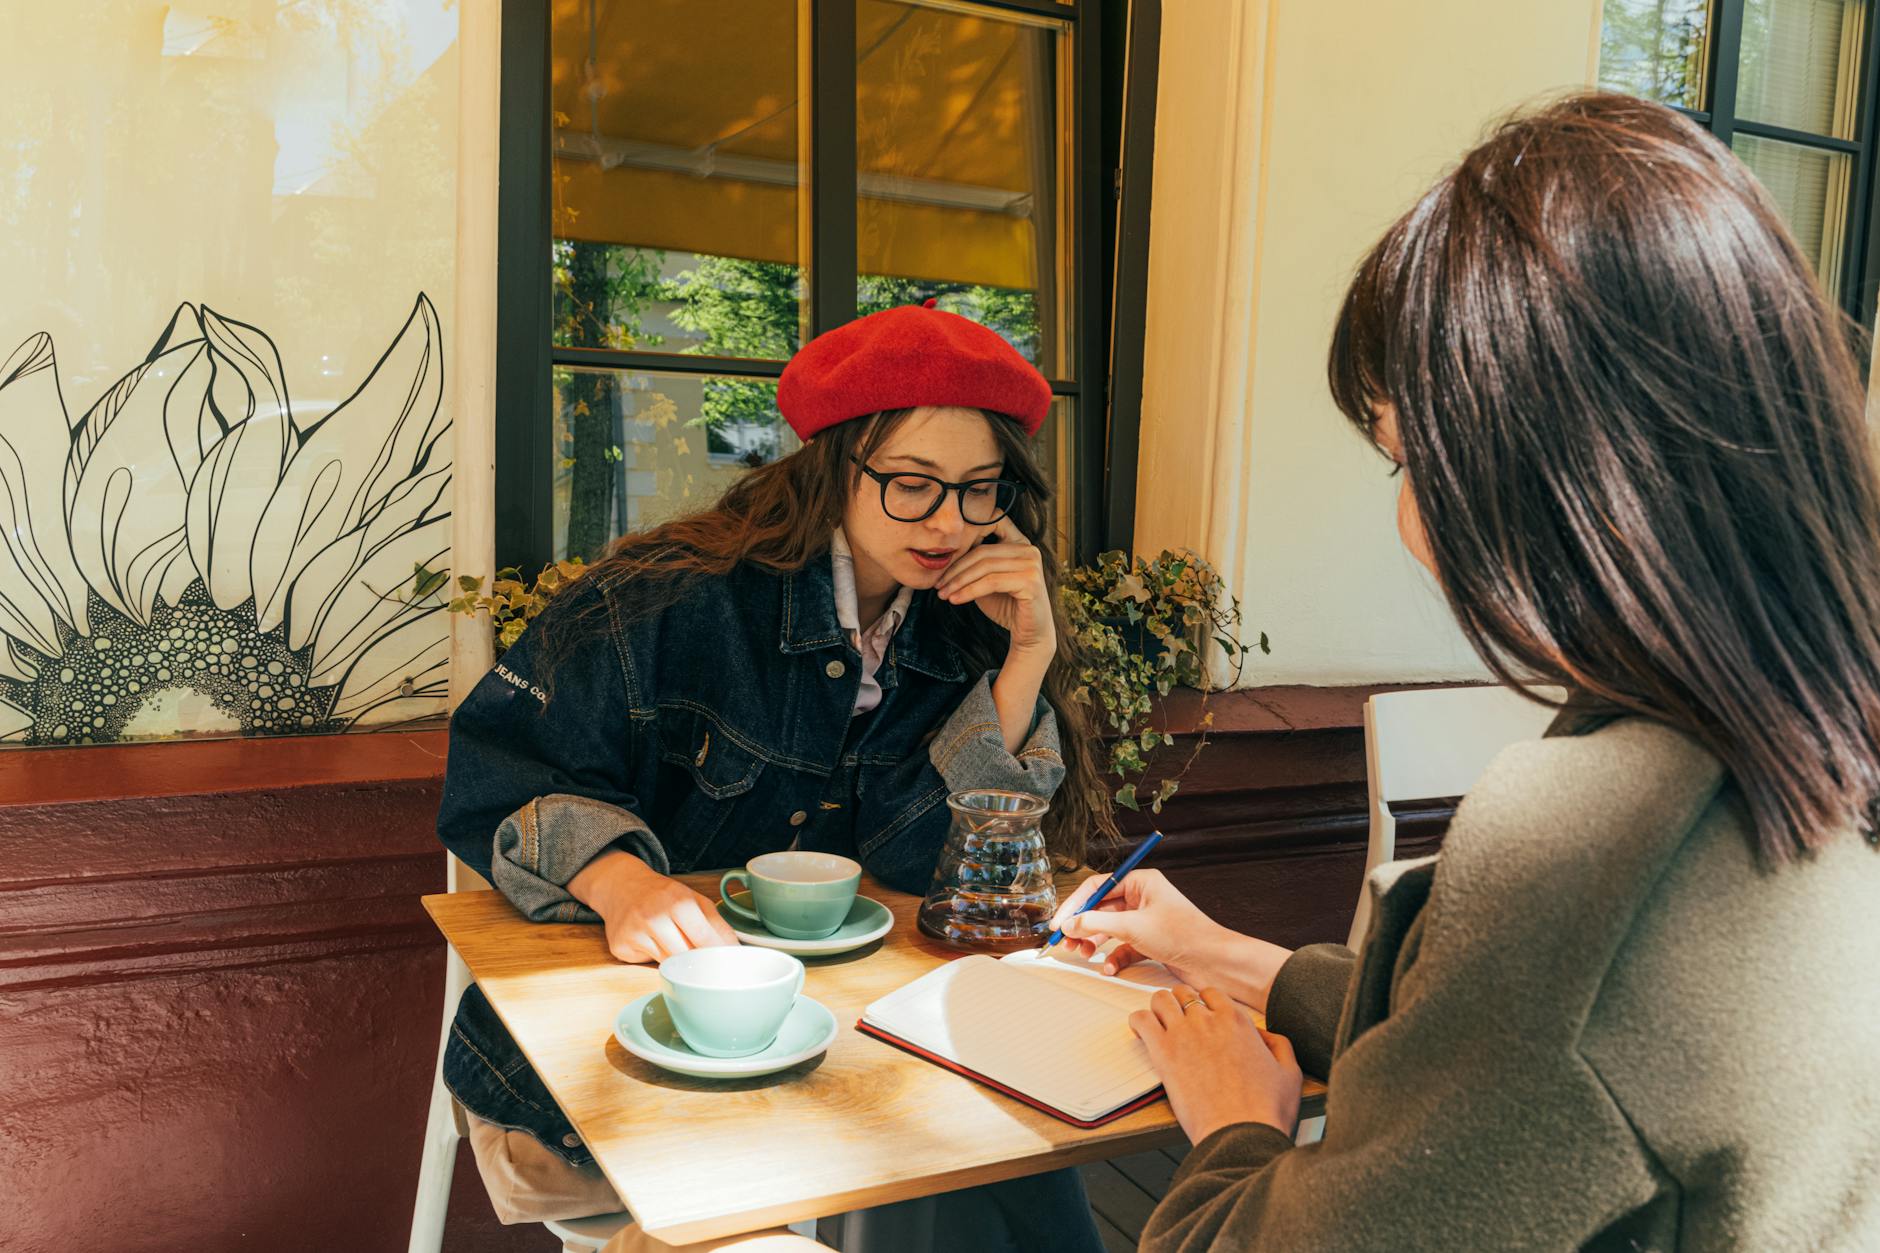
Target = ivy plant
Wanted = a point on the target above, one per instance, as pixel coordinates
(513, 604)
(1147, 627)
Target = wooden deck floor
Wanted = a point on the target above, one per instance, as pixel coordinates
(1123, 1192)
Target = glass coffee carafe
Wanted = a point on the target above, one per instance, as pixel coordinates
(993, 888)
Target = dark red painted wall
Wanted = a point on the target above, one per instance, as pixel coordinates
(220, 998)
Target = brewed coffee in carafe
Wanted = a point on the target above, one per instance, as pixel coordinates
(993, 888)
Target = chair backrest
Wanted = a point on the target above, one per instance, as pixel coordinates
(1436, 742)
(1431, 744)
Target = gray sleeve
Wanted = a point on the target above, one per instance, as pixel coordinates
(1307, 996)
(543, 845)
(969, 749)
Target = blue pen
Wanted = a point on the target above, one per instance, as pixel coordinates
(1129, 863)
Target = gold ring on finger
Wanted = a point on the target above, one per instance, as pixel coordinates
(1185, 1004)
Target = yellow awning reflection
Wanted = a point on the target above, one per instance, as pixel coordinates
(677, 127)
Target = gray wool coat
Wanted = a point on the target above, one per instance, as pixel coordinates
(1596, 1020)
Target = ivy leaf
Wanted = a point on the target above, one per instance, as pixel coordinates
(1126, 797)
(1129, 587)
(1264, 646)
(425, 580)
(471, 583)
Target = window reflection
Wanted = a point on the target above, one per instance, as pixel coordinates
(676, 180)
(961, 149)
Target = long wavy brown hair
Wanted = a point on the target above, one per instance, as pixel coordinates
(1635, 432)
(781, 517)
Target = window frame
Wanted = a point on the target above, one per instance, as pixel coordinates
(1860, 267)
(526, 355)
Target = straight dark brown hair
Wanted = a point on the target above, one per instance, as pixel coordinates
(1635, 430)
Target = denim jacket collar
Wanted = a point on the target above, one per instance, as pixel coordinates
(809, 623)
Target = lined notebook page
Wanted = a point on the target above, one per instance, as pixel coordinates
(1147, 975)
(1061, 1038)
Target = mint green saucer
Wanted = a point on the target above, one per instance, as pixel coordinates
(867, 922)
(645, 1030)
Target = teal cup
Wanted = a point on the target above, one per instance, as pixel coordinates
(729, 1001)
(799, 896)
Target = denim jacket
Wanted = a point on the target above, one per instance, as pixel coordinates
(696, 738)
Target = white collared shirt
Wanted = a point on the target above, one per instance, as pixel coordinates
(872, 644)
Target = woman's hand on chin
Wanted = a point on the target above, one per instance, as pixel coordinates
(1004, 576)
(1217, 1066)
(648, 916)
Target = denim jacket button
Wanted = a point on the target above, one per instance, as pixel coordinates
(798, 818)
(571, 1141)
(835, 669)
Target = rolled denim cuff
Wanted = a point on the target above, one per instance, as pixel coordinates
(543, 845)
(969, 750)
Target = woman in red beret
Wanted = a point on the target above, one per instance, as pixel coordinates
(815, 662)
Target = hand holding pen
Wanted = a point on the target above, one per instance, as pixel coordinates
(1152, 921)
(1084, 901)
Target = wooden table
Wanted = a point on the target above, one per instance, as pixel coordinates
(865, 1124)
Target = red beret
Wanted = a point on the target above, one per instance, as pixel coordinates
(907, 357)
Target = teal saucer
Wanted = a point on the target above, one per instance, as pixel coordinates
(645, 1029)
(867, 922)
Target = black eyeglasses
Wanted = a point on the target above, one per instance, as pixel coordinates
(916, 497)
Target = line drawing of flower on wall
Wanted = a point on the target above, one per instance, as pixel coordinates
(188, 558)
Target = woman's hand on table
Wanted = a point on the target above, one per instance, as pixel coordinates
(1217, 1066)
(648, 916)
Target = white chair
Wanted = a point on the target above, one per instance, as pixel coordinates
(1434, 744)
(445, 1125)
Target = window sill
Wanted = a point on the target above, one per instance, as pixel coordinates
(108, 772)
(1273, 710)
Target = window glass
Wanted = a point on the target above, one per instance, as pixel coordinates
(1657, 49)
(1810, 186)
(1801, 64)
(962, 145)
(676, 183)
(634, 448)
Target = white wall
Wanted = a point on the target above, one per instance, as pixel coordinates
(1289, 134)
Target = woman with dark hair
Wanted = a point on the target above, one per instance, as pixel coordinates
(1633, 1003)
(814, 662)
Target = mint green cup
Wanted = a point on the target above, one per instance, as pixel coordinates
(730, 1001)
(799, 896)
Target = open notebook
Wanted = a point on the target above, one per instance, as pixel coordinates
(1054, 1034)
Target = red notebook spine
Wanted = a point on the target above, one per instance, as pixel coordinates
(1146, 1099)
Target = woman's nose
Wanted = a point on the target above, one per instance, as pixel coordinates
(947, 520)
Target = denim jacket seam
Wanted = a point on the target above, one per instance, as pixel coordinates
(959, 741)
(531, 837)
(872, 759)
(903, 819)
(789, 618)
(623, 649)
(1042, 753)
(491, 1067)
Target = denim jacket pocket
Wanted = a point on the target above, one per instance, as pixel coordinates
(721, 766)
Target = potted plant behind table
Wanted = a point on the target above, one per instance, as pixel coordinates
(1147, 627)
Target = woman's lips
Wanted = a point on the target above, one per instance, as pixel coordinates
(932, 558)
